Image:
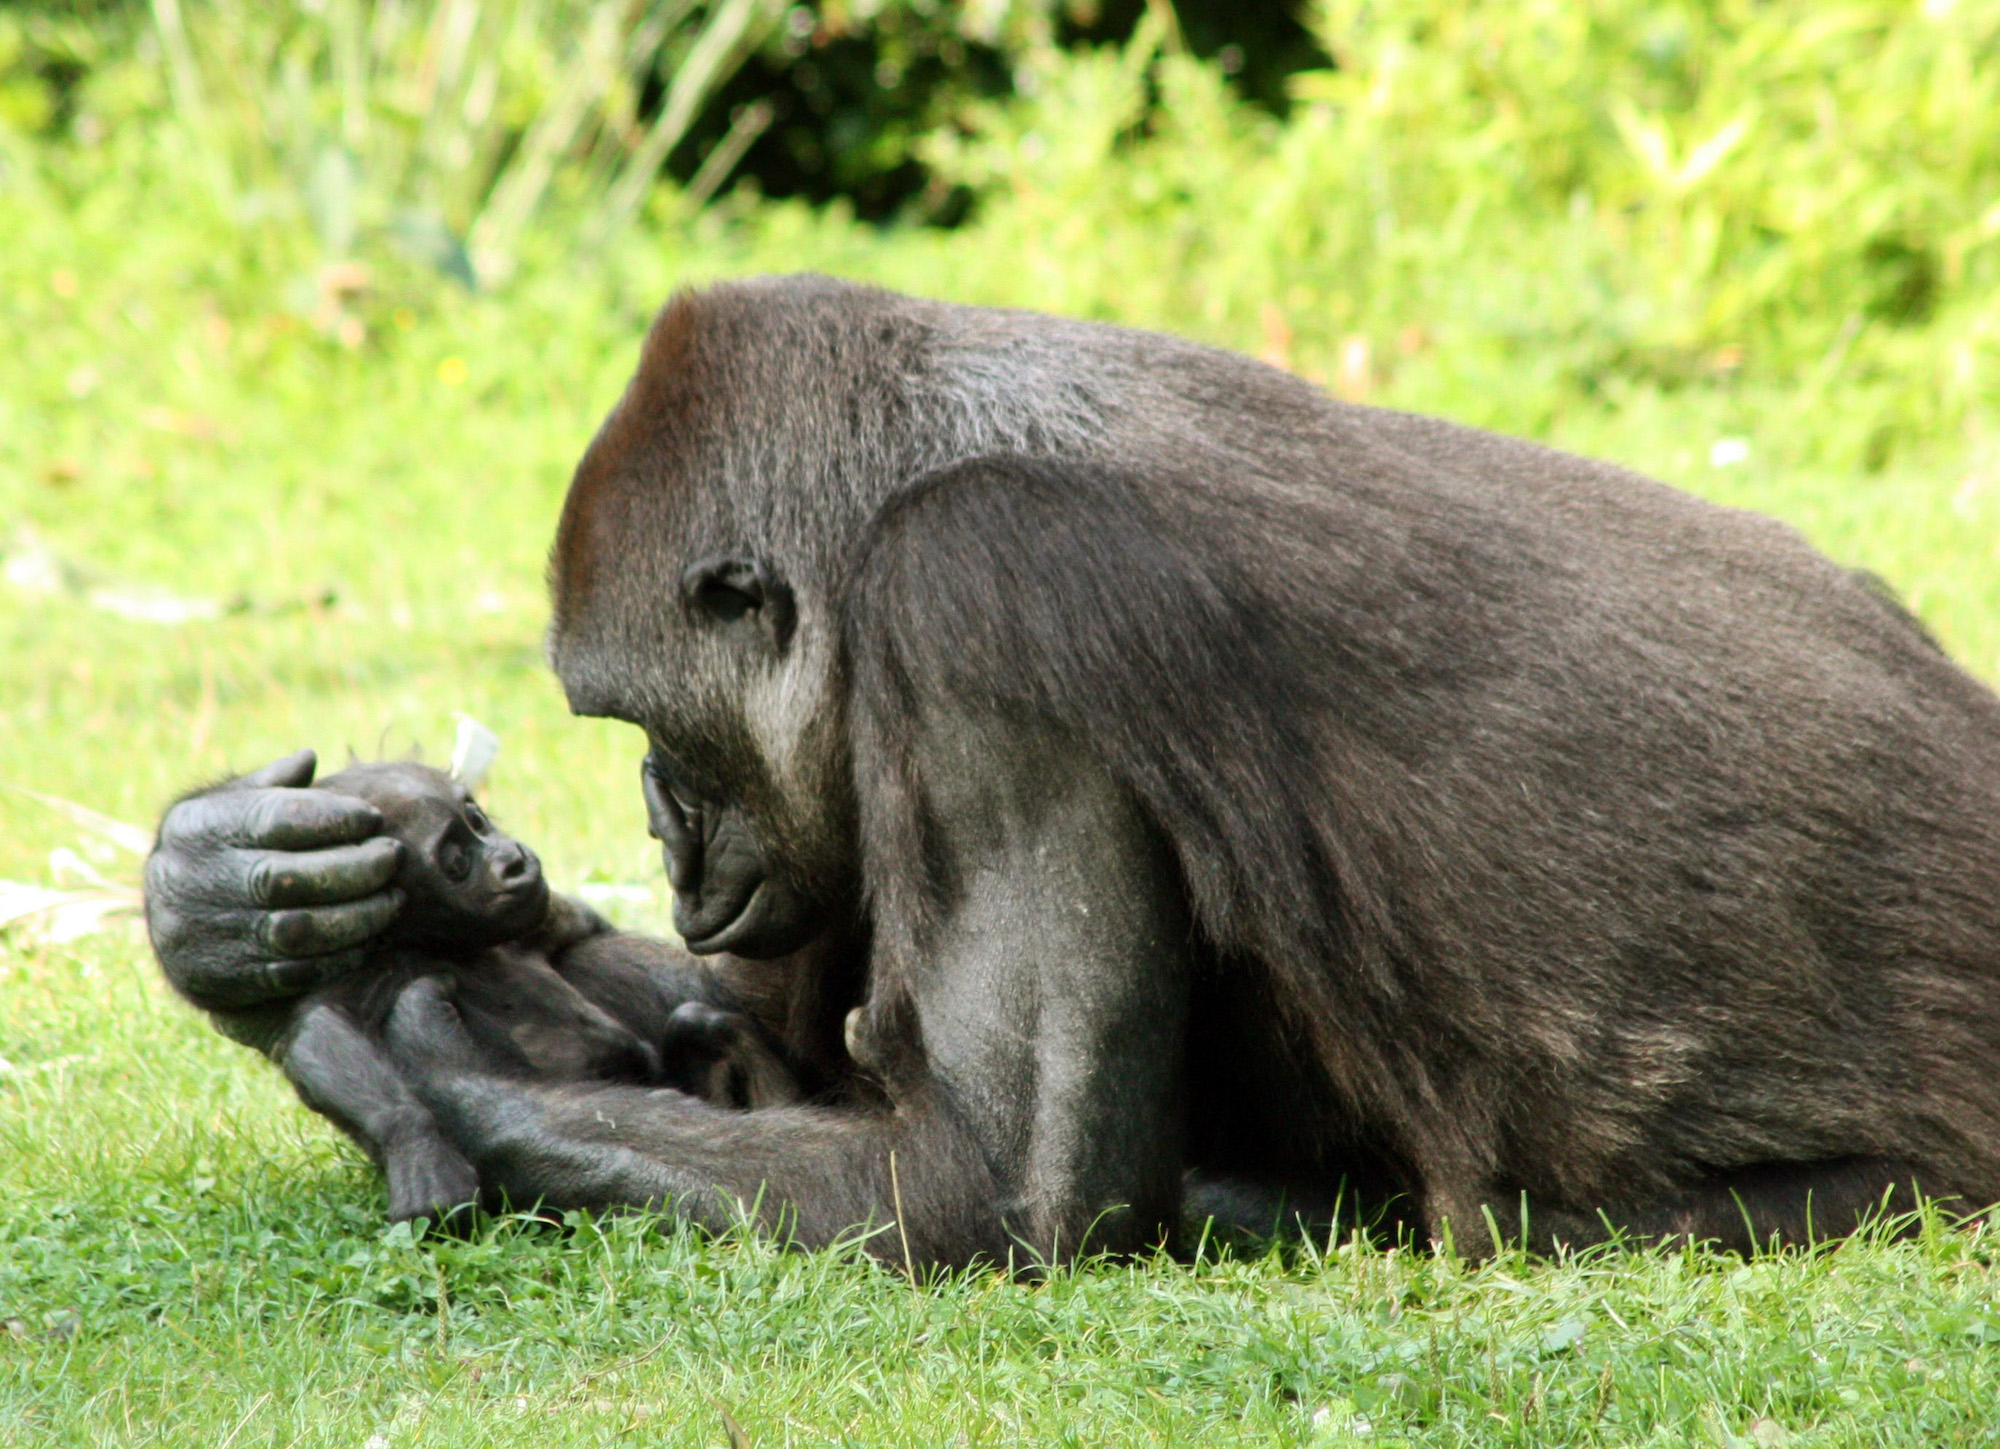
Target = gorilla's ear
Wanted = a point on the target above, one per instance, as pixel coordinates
(728, 587)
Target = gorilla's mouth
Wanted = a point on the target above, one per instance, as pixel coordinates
(743, 924)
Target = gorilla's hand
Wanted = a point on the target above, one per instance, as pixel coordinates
(260, 889)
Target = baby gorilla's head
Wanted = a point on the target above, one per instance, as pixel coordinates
(466, 884)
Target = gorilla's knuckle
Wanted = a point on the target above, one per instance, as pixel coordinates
(191, 823)
(697, 1020)
(174, 826)
(290, 977)
(162, 877)
(275, 814)
(265, 881)
(284, 933)
(166, 927)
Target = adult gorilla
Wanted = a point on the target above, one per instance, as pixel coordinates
(1185, 771)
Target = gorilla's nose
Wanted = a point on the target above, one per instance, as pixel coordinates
(514, 864)
(667, 821)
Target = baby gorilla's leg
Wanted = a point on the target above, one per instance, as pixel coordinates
(724, 1057)
(339, 1072)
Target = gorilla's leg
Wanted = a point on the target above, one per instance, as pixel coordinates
(341, 1074)
(1740, 1211)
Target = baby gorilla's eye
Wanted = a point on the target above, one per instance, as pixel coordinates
(476, 818)
(454, 859)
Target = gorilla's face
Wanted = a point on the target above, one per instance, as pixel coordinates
(744, 775)
(684, 604)
(465, 883)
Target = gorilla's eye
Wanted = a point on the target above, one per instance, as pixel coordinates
(476, 818)
(454, 858)
(723, 601)
(728, 587)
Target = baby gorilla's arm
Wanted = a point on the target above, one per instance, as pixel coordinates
(569, 923)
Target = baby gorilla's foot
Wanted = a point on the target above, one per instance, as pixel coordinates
(724, 1058)
(431, 1179)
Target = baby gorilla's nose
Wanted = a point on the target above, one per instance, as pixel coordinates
(513, 864)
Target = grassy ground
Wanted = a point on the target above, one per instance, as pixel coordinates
(187, 1257)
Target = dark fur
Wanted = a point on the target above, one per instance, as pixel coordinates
(536, 1010)
(1203, 774)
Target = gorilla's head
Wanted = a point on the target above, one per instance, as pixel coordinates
(687, 604)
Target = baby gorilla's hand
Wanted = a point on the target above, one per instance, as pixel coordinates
(426, 1036)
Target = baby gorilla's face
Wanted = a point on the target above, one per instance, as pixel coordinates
(467, 884)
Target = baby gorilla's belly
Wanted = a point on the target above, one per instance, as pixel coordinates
(535, 1024)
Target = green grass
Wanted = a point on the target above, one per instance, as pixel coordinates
(189, 1255)
(191, 1258)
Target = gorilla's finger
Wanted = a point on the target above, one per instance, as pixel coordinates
(697, 1021)
(307, 820)
(295, 769)
(273, 818)
(667, 823)
(233, 986)
(320, 930)
(296, 977)
(324, 877)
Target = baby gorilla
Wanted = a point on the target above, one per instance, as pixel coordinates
(479, 921)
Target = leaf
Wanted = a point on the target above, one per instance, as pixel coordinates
(738, 1437)
(125, 836)
(1646, 138)
(1714, 151)
(1565, 1335)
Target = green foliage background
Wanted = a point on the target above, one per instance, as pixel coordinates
(1749, 247)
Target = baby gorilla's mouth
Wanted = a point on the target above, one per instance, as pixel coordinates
(522, 903)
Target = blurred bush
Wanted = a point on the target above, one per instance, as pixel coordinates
(1507, 210)
(830, 102)
(447, 125)
(856, 85)
(1533, 202)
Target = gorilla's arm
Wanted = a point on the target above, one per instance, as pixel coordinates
(1030, 1052)
(817, 1171)
(262, 888)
